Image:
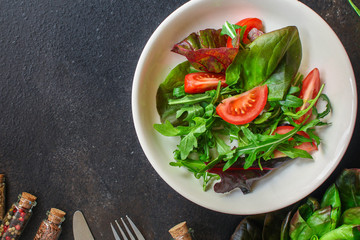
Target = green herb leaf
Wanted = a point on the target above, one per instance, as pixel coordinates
(292, 101)
(229, 29)
(167, 129)
(357, 10)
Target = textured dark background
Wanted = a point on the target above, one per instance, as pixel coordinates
(66, 131)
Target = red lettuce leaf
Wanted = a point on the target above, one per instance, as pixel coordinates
(238, 177)
(207, 51)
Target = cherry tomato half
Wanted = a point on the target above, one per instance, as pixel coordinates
(310, 89)
(201, 82)
(307, 146)
(250, 23)
(245, 107)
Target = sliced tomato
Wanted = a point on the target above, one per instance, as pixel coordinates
(250, 23)
(310, 89)
(307, 146)
(245, 107)
(201, 82)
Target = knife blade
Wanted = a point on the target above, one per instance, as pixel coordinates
(81, 229)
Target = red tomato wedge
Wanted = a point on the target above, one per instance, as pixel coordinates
(250, 23)
(307, 146)
(310, 89)
(243, 108)
(201, 82)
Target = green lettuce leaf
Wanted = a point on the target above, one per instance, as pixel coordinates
(332, 198)
(320, 221)
(348, 184)
(344, 232)
(299, 229)
(351, 216)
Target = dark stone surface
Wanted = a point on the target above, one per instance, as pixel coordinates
(66, 131)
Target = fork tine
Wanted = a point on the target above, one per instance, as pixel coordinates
(114, 232)
(127, 229)
(136, 230)
(121, 231)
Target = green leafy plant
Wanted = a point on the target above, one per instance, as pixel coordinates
(336, 216)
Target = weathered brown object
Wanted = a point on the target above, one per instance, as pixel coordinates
(27, 200)
(50, 228)
(56, 215)
(17, 217)
(180, 232)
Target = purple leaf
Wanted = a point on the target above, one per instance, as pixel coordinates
(207, 51)
(238, 177)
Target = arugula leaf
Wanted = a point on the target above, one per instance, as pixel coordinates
(192, 111)
(357, 10)
(189, 141)
(292, 101)
(328, 106)
(229, 29)
(311, 102)
(167, 129)
(252, 150)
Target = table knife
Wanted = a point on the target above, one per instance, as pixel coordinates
(80, 227)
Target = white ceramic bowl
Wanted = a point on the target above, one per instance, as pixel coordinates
(321, 49)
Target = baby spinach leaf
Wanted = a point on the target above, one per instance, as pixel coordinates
(165, 92)
(349, 188)
(256, 63)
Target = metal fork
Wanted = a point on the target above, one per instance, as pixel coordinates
(134, 228)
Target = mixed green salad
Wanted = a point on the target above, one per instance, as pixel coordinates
(335, 217)
(239, 104)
